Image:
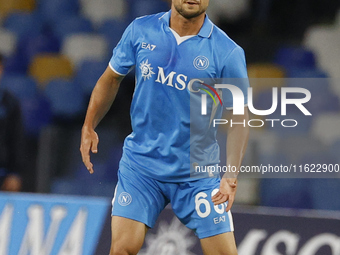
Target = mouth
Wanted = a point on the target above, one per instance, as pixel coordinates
(191, 2)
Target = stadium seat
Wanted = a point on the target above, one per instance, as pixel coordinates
(19, 85)
(113, 30)
(67, 101)
(264, 76)
(265, 70)
(17, 63)
(295, 57)
(24, 24)
(35, 109)
(69, 25)
(100, 10)
(88, 74)
(326, 127)
(37, 114)
(52, 10)
(37, 45)
(9, 6)
(8, 42)
(297, 72)
(325, 41)
(45, 67)
(81, 47)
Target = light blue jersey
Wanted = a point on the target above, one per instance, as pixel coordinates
(159, 145)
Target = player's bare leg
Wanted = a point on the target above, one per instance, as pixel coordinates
(127, 236)
(223, 244)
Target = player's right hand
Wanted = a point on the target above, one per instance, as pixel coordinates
(89, 141)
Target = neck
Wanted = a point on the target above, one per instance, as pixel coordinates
(183, 26)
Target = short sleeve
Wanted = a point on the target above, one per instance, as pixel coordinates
(123, 57)
(234, 72)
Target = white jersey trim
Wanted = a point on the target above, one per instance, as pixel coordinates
(162, 15)
(179, 38)
(114, 196)
(212, 28)
(231, 222)
(116, 70)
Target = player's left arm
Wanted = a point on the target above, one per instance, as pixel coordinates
(237, 141)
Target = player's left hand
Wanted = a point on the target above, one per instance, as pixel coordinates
(89, 142)
(227, 192)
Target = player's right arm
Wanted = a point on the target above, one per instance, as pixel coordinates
(101, 100)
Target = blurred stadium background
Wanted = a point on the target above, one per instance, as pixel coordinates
(56, 50)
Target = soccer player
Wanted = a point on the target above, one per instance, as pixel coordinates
(168, 51)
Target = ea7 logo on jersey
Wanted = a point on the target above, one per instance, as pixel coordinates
(148, 46)
(201, 63)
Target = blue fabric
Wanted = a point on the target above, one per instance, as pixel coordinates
(160, 143)
(142, 199)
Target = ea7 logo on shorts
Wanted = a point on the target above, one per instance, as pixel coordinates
(201, 63)
(124, 199)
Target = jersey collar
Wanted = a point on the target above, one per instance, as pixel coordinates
(206, 29)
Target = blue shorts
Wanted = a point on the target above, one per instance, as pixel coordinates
(141, 198)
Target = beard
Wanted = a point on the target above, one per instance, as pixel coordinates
(187, 13)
